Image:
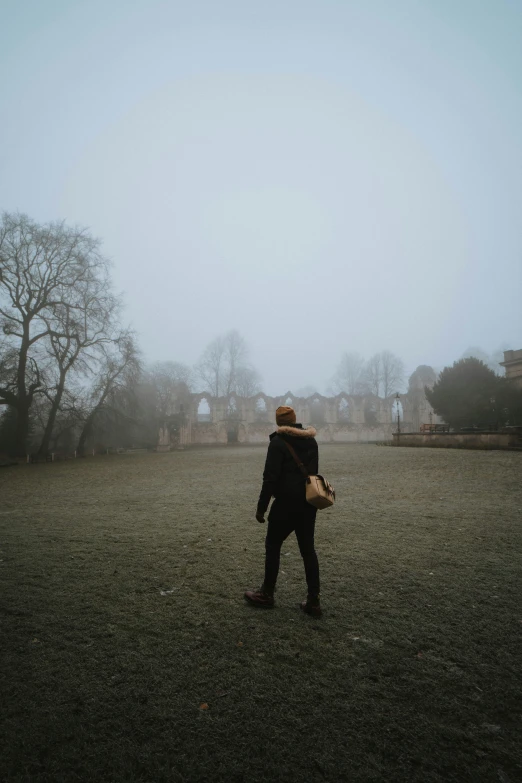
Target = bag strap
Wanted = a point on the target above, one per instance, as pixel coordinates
(296, 458)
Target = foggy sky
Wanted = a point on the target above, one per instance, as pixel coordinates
(321, 176)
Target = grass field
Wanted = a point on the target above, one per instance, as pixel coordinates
(128, 653)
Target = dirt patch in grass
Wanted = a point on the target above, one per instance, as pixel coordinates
(129, 654)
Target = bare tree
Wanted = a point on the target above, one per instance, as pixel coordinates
(248, 382)
(383, 374)
(116, 379)
(78, 330)
(348, 375)
(172, 384)
(41, 268)
(392, 373)
(210, 367)
(218, 368)
(236, 354)
(371, 376)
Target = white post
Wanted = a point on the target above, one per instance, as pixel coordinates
(52, 457)
(93, 452)
(28, 459)
(75, 455)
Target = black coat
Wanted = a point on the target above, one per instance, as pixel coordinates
(282, 478)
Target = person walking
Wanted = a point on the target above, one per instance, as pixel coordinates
(283, 480)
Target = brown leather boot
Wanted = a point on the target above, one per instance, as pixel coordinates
(312, 606)
(263, 598)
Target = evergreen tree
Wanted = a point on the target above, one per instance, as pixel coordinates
(468, 395)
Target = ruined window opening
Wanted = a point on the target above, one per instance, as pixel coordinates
(317, 413)
(344, 410)
(232, 421)
(261, 412)
(204, 410)
(232, 408)
(370, 414)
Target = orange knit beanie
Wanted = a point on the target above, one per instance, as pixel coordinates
(285, 415)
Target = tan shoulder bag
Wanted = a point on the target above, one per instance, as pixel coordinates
(319, 491)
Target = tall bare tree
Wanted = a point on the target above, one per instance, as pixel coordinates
(210, 368)
(41, 268)
(222, 360)
(347, 377)
(248, 382)
(392, 373)
(236, 355)
(171, 383)
(371, 376)
(114, 387)
(78, 332)
(383, 374)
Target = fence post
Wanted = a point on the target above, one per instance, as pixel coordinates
(52, 456)
(28, 459)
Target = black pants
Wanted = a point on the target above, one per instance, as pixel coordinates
(278, 531)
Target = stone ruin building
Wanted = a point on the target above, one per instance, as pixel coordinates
(513, 364)
(206, 420)
(201, 419)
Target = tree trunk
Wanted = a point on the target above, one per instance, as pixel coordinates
(86, 431)
(44, 445)
(87, 427)
(22, 428)
(24, 400)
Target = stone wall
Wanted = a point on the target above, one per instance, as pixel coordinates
(459, 440)
(340, 419)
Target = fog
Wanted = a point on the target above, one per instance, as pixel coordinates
(323, 177)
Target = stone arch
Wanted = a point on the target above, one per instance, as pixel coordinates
(371, 410)
(344, 408)
(260, 408)
(233, 407)
(317, 410)
(203, 408)
(233, 418)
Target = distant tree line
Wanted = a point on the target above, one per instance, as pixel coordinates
(72, 377)
(382, 374)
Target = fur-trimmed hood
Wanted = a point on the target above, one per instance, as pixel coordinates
(297, 432)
